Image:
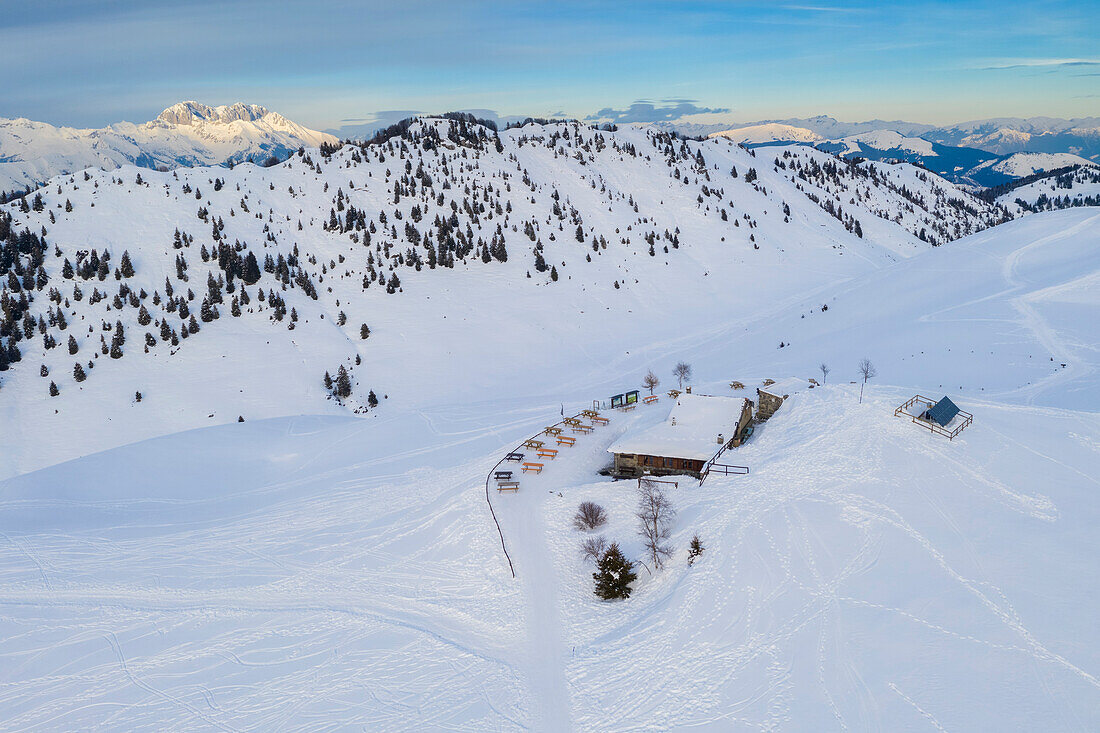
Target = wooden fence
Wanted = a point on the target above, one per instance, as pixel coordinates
(935, 427)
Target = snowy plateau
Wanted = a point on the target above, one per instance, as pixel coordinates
(244, 547)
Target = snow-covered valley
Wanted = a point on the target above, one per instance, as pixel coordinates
(329, 564)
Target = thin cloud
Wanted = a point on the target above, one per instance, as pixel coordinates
(819, 8)
(646, 111)
(1039, 63)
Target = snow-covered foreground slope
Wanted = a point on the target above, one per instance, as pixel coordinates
(310, 573)
(187, 133)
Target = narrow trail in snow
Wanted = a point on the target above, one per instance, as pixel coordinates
(546, 647)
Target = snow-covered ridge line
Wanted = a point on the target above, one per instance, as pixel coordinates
(185, 134)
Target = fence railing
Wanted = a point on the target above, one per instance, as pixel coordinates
(905, 410)
(725, 469)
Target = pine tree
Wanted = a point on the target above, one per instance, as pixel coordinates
(328, 381)
(343, 383)
(53, 390)
(554, 273)
(614, 574)
(126, 267)
(251, 272)
(364, 331)
(695, 549)
(372, 399)
(78, 373)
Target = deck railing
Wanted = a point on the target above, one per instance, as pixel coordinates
(904, 411)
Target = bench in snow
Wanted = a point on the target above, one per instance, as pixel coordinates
(566, 440)
(532, 467)
(651, 399)
(503, 475)
(508, 486)
(548, 453)
(533, 444)
(514, 456)
(553, 431)
(600, 420)
(585, 429)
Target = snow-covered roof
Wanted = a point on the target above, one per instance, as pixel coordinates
(690, 431)
(786, 387)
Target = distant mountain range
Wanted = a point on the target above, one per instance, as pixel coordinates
(185, 134)
(981, 154)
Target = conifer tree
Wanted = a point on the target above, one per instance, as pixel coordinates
(53, 390)
(614, 574)
(78, 373)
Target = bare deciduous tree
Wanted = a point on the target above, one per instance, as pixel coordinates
(682, 371)
(650, 381)
(589, 516)
(866, 370)
(593, 548)
(655, 515)
(824, 372)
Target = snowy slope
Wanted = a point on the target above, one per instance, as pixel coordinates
(1079, 187)
(187, 134)
(622, 189)
(768, 133)
(344, 571)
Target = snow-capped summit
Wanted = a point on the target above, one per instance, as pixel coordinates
(185, 134)
(185, 113)
(769, 132)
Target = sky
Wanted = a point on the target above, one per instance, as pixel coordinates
(331, 63)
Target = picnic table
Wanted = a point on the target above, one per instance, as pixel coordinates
(566, 440)
(530, 467)
(533, 444)
(600, 420)
(514, 456)
(674, 393)
(553, 431)
(503, 475)
(508, 486)
(589, 413)
(550, 453)
(571, 421)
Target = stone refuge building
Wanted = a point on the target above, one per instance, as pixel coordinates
(696, 428)
(772, 396)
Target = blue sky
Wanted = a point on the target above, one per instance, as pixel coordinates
(327, 64)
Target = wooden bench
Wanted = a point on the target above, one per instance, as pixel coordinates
(585, 429)
(508, 486)
(533, 444)
(503, 475)
(550, 453)
(629, 407)
(651, 399)
(566, 440)
(514, 456)
(553, 431)
(600, 420)
(532, 467)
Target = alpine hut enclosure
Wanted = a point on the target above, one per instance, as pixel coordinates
(697, 427)
(943, 417)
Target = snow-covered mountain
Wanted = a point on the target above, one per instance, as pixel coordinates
(185, 134)
(1077, 186)
(771, 132)
(406, 232)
